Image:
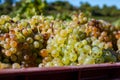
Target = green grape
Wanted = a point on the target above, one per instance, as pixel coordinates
(55, 53)
(68, 47)
(41, 65)
(73, 57)
(82, 35)
(5, 17)
(2, 21)
(113, 58)
(89, 60)
(37, 37)
(85, 19)
(6, 46)
(49, 64)
(20, 37)
(96, 52)
(118, 54)
(4, 66)
(23, 23)
(65, 52)
(81, 58)
(56, 64)
(29, 30)
(95, 43)
(41, 45)
(89, 40)
(78, 45)
(87, 49)
(108, 56)
(65, 60)
(80, 51)
(13, 58)
(56, 60)
(73, 64)
(68, 29)
(101, 45)
(60, 40)
(36, 44)
(99, 60)
(63, 33)
(13, 50)
(29, 40)
(106, 53)
(93, 38)
(15, 66)
(25, 32)
(48, 58)
(71, 42)
(84, 42)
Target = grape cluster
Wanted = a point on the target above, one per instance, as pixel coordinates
(46, 42)
(21, 41)
(80, 42)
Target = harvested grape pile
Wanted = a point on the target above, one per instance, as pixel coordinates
(47, 42)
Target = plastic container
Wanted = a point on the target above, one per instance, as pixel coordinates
(105, 71)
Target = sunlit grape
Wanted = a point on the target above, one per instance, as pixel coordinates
(87, 49)
(63, 33)
(36, 44)
(73, 57)
(65, 60)
(6, 46)
(55, 53)
(49, 64)
(81, 59)
(96, 52)
(29, 40)
(84, 42)
(89, 60)
(15, 66)
(13, 50)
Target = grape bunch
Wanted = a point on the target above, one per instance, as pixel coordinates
(80, 42)
(21, 41)
(44, 41)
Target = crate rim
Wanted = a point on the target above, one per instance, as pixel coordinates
(47, 70)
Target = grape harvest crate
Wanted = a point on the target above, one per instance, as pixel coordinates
(105, 71)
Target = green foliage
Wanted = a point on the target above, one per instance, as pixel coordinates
(110, 13)
(28, 8)
(117, 23)
(58, 9)
(6, 7)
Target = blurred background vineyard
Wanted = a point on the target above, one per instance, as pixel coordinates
(59, 9)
